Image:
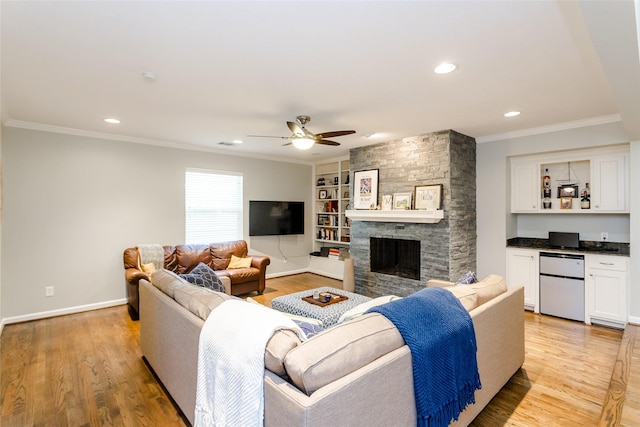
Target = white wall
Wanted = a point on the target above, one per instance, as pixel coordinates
(495, 221)
(72, 204)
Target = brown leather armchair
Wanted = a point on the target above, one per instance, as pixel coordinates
(184, 258)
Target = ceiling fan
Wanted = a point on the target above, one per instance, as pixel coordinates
(304, 139)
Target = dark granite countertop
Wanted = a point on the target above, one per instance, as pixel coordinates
(586, 246)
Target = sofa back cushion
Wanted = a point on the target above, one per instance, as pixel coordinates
(166, 281)
(489, 288)
(200, 301)
(279, 345)
(465, 294)
(221, 253)
(189, 256)
(340, 350)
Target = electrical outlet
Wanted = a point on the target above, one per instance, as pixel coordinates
(604, 236)
(48, 291)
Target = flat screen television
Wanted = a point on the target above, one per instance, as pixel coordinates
(270, 218)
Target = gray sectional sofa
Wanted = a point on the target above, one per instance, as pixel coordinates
(357, 373)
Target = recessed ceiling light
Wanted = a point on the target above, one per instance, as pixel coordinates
(237, 141)
(149, 76)
(512, 114)
(112, 120)
(445, 68)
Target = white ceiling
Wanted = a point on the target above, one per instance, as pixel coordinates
(229, 69)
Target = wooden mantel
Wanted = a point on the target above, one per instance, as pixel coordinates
(414, 216)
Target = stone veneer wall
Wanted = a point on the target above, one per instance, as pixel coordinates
(448, 248)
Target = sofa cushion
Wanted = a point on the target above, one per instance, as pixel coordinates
(166, 281)
(279, 345)
(359, 309)
(489, 288)
(199, 301)
(340, 350)
(204, 276)
(465, 294)
(237, 262)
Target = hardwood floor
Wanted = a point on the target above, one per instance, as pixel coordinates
(86, 370)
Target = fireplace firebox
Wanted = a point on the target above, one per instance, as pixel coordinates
(397, 257)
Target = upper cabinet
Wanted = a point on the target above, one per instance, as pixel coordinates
(525, 186)
(609, 191)
(581, 182)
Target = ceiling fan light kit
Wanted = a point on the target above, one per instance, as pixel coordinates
(303, 139)
(303, 143)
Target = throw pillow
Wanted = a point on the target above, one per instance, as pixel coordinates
(309, 329)
(237, 262)
(148, 268)
(468, 278)
(204, 276)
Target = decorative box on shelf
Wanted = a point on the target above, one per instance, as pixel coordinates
(415, 216)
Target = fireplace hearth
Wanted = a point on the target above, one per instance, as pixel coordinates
(397, 257)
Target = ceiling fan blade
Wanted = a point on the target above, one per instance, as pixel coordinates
(327, 142)
(335, 133)
(268, 136)
(288, 143)
(297, 130)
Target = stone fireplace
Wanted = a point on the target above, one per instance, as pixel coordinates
(447, 249)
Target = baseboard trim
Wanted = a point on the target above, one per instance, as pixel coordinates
(61, 312)
(287, 273)
(634, 320)
(324, 273)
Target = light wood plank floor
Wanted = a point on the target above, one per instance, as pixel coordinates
(86, 370)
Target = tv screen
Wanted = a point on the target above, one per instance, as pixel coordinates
(269, 218)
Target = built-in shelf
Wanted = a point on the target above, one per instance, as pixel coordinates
(415, 216)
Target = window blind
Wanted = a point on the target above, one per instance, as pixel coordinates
(213, 206)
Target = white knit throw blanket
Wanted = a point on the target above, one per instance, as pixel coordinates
(151, 253)
(230, 385)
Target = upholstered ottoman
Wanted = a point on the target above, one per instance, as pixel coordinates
(329, 315)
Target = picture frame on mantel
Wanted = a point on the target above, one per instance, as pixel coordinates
(402, 201)
(427, 197)
(365, 189)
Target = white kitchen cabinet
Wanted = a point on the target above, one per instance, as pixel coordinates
(523, 269)
(525, 187)
(605, 169)
(607, 284)
(609, 190)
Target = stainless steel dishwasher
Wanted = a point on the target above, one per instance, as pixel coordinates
(562, 285)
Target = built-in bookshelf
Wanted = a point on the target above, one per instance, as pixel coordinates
(331, 201)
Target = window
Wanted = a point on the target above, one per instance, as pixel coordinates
(213, 206)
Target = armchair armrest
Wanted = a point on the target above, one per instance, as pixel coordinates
(260, 262)
(439, 283)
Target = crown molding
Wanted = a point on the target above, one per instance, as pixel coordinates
(612, 118)
(147, 141)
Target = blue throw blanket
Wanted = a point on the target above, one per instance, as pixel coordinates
(440, 335)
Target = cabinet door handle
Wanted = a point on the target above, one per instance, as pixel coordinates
(605, 263)
(591, 274)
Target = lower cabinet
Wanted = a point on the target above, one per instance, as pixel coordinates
(607, 287)
(522, 269)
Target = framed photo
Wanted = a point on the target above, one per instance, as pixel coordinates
(322, 194)
(402, 201)
(365, 189)
(427, 197)
(345, 195)
(565, 202)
